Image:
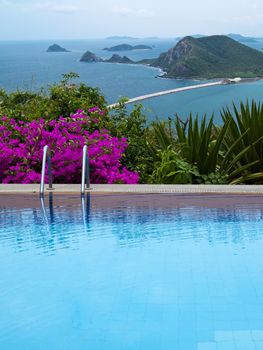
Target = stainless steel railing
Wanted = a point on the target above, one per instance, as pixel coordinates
(85, 176)
(46, 157)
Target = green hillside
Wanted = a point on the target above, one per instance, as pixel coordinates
(210, 57)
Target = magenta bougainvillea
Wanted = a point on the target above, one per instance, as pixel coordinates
(21, 150)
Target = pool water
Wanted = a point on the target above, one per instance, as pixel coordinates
(141, 272)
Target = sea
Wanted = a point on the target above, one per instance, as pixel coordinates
(27, 65)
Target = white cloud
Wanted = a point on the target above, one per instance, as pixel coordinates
(55, 6)
(59, 8)
(126, 11)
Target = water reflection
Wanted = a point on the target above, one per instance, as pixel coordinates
(85, 209)
(52, 225)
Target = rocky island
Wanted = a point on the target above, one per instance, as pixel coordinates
(56, 48)
(126, 47)
(210, 57)
(119, 59)
(90, 57)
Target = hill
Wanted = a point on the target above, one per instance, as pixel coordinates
(118, 59)
(126, 47)
(90, 57)
(241, 38)
(56, 48)
(210, 57)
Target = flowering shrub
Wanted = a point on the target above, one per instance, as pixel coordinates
(21, 150)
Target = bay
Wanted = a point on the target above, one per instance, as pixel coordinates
(27, 65)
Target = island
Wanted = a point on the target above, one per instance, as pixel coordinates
(90, 57)
(56, 48)
(127, 47)
(210, 57)
(118, 59)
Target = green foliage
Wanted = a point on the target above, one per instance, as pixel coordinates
(245, 135)
(219, 155)
(171, 169)
(63, 98)
(212, 179)
(133, 126)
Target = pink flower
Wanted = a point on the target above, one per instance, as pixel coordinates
(22, 143)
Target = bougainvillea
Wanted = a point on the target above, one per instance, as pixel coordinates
(22, 143)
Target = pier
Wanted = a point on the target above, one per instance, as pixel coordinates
(174, 91)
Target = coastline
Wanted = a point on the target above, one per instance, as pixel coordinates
(163, 75)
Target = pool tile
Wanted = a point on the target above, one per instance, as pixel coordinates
(259, 345)
(207, 346)
(224, 336)
(245, 345)
(257, 335)
(226, 346)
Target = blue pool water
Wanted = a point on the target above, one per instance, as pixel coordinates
(136, 272)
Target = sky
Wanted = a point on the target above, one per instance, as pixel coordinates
(84, 19)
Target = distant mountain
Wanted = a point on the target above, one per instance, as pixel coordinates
(196, 36)
(116, 37)
(241, 38)
(126, 47)
(216, 56)
(90, 57)
(56, 48)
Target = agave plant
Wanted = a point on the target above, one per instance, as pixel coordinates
(244, 137)
(208, 149)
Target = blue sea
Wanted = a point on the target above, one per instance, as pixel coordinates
(27, 65)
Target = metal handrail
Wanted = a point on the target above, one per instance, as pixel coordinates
(85, 176)
(46, 156)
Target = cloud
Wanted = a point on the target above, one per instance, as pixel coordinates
(54, 6)
(58, 8)
(126, 11)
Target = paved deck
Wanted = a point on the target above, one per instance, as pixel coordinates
(238, 189)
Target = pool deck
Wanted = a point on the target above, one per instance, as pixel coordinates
(180, 189)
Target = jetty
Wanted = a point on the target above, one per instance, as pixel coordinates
(181, 89)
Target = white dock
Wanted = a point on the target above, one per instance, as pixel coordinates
(172, 91)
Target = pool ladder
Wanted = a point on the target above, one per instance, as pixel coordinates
(85, 174)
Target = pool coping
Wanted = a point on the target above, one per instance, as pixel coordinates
(179, 189)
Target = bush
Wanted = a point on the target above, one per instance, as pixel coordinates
(22, 145)
(60, 99)
(134, 126)
(227, 154)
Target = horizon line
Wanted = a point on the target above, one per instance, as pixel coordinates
(153, 37)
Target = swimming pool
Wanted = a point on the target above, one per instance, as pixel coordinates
(131, 272)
